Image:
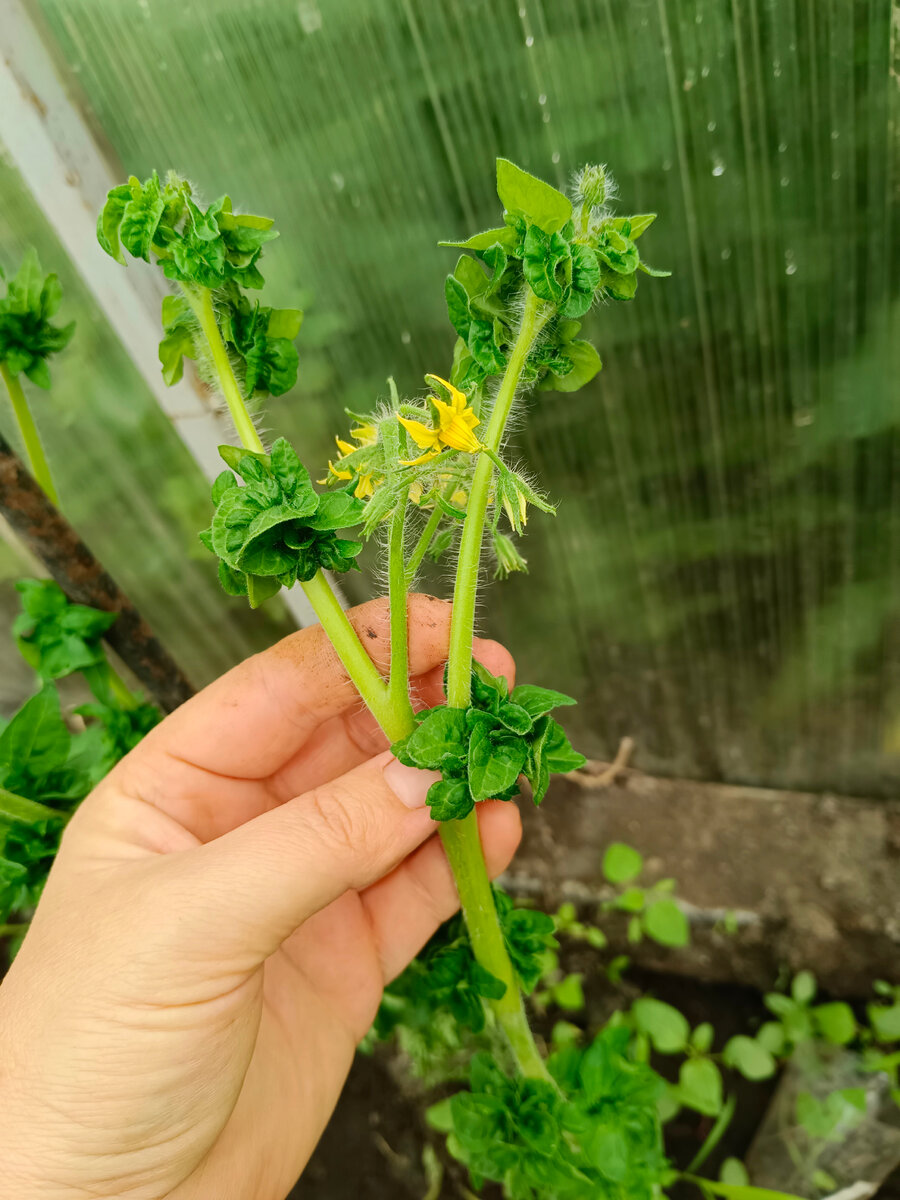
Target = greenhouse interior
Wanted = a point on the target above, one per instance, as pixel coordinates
(450, 567)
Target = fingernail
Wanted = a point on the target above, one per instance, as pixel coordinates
(409, 784)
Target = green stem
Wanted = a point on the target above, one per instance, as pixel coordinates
(421, 547)
(200, 300)
(394, 717)
(29, 812)
(463, 849)
(398, 685)
(30, 436)
(460, 838)
(462, 624)
(122, 694)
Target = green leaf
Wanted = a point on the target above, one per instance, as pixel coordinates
(585, 364)
(485, 345)
(733, 1171)
(109, 220)
(733, 1191)
(702, 1037)
(493, 767)
(504, 236)
(885, 1021)
(449, 800)
(666, 923)
(36, 739)
(544, 260)
(141, 216)
(537, 700)
(619, 287)
(457, 306)
(471, 276)
(634, 226)
(835, 1022)
(803, 987)
(665, 1026)
(439, 737)
(700, 1086)
(284, 323)
(542, 204)
(621, 863)
(585, 281)
(749, 1057)
(173, 349)
(561, 758)
(568, 994)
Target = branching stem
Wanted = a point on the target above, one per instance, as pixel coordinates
(30, 436)
(460, 838)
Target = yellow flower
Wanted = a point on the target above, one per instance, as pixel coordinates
(456, 421)
(366, 435)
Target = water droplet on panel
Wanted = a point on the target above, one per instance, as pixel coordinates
(405, 337)
(338, 180)
(704, 72)
(835, 174)
(554, 157)
(529, 41)
(782, 146)
(546, 118)
(542, 99)
(802, 417)
(835, 134)
(726, 253)
(711, 125)
(667, 164)
(523, 12)
(309, 16)
(784, 180)
(791, 269)
(718, 168)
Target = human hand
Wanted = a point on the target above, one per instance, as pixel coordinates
(217, 930)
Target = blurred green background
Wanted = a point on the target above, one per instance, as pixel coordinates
(721, 582)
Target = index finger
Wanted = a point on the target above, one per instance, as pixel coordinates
(249, 722)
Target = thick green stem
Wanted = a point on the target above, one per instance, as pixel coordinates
(123, 696)
(30, 436)
(398, 685)
(462, 625)
(200, 300)
(463, 849)
(460, 838)
(394, 717)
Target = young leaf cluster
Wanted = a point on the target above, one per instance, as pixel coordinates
(445, 976)
(276, 529)
(568, 254)
(210, 248)
(596, 1134)
(481, 751)
(55, 637)
(27, 335)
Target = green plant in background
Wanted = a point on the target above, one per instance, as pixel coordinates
(46, 769)
(27, 339)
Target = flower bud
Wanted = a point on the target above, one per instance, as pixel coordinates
(508, 557)
(592, 185)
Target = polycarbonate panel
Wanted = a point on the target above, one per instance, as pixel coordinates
(721, 582)
(124, 478)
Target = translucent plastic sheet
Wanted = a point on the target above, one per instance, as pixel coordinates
(721, 583)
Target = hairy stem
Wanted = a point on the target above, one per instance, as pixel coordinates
(395, 719)
(462, 625)
(200, 300)
(398, 685)
(421, 546)
(463, 849)
(460, 838)
(30, 436)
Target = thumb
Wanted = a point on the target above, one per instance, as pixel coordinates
(251, 888)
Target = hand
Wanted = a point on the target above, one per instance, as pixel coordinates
(217, 930)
